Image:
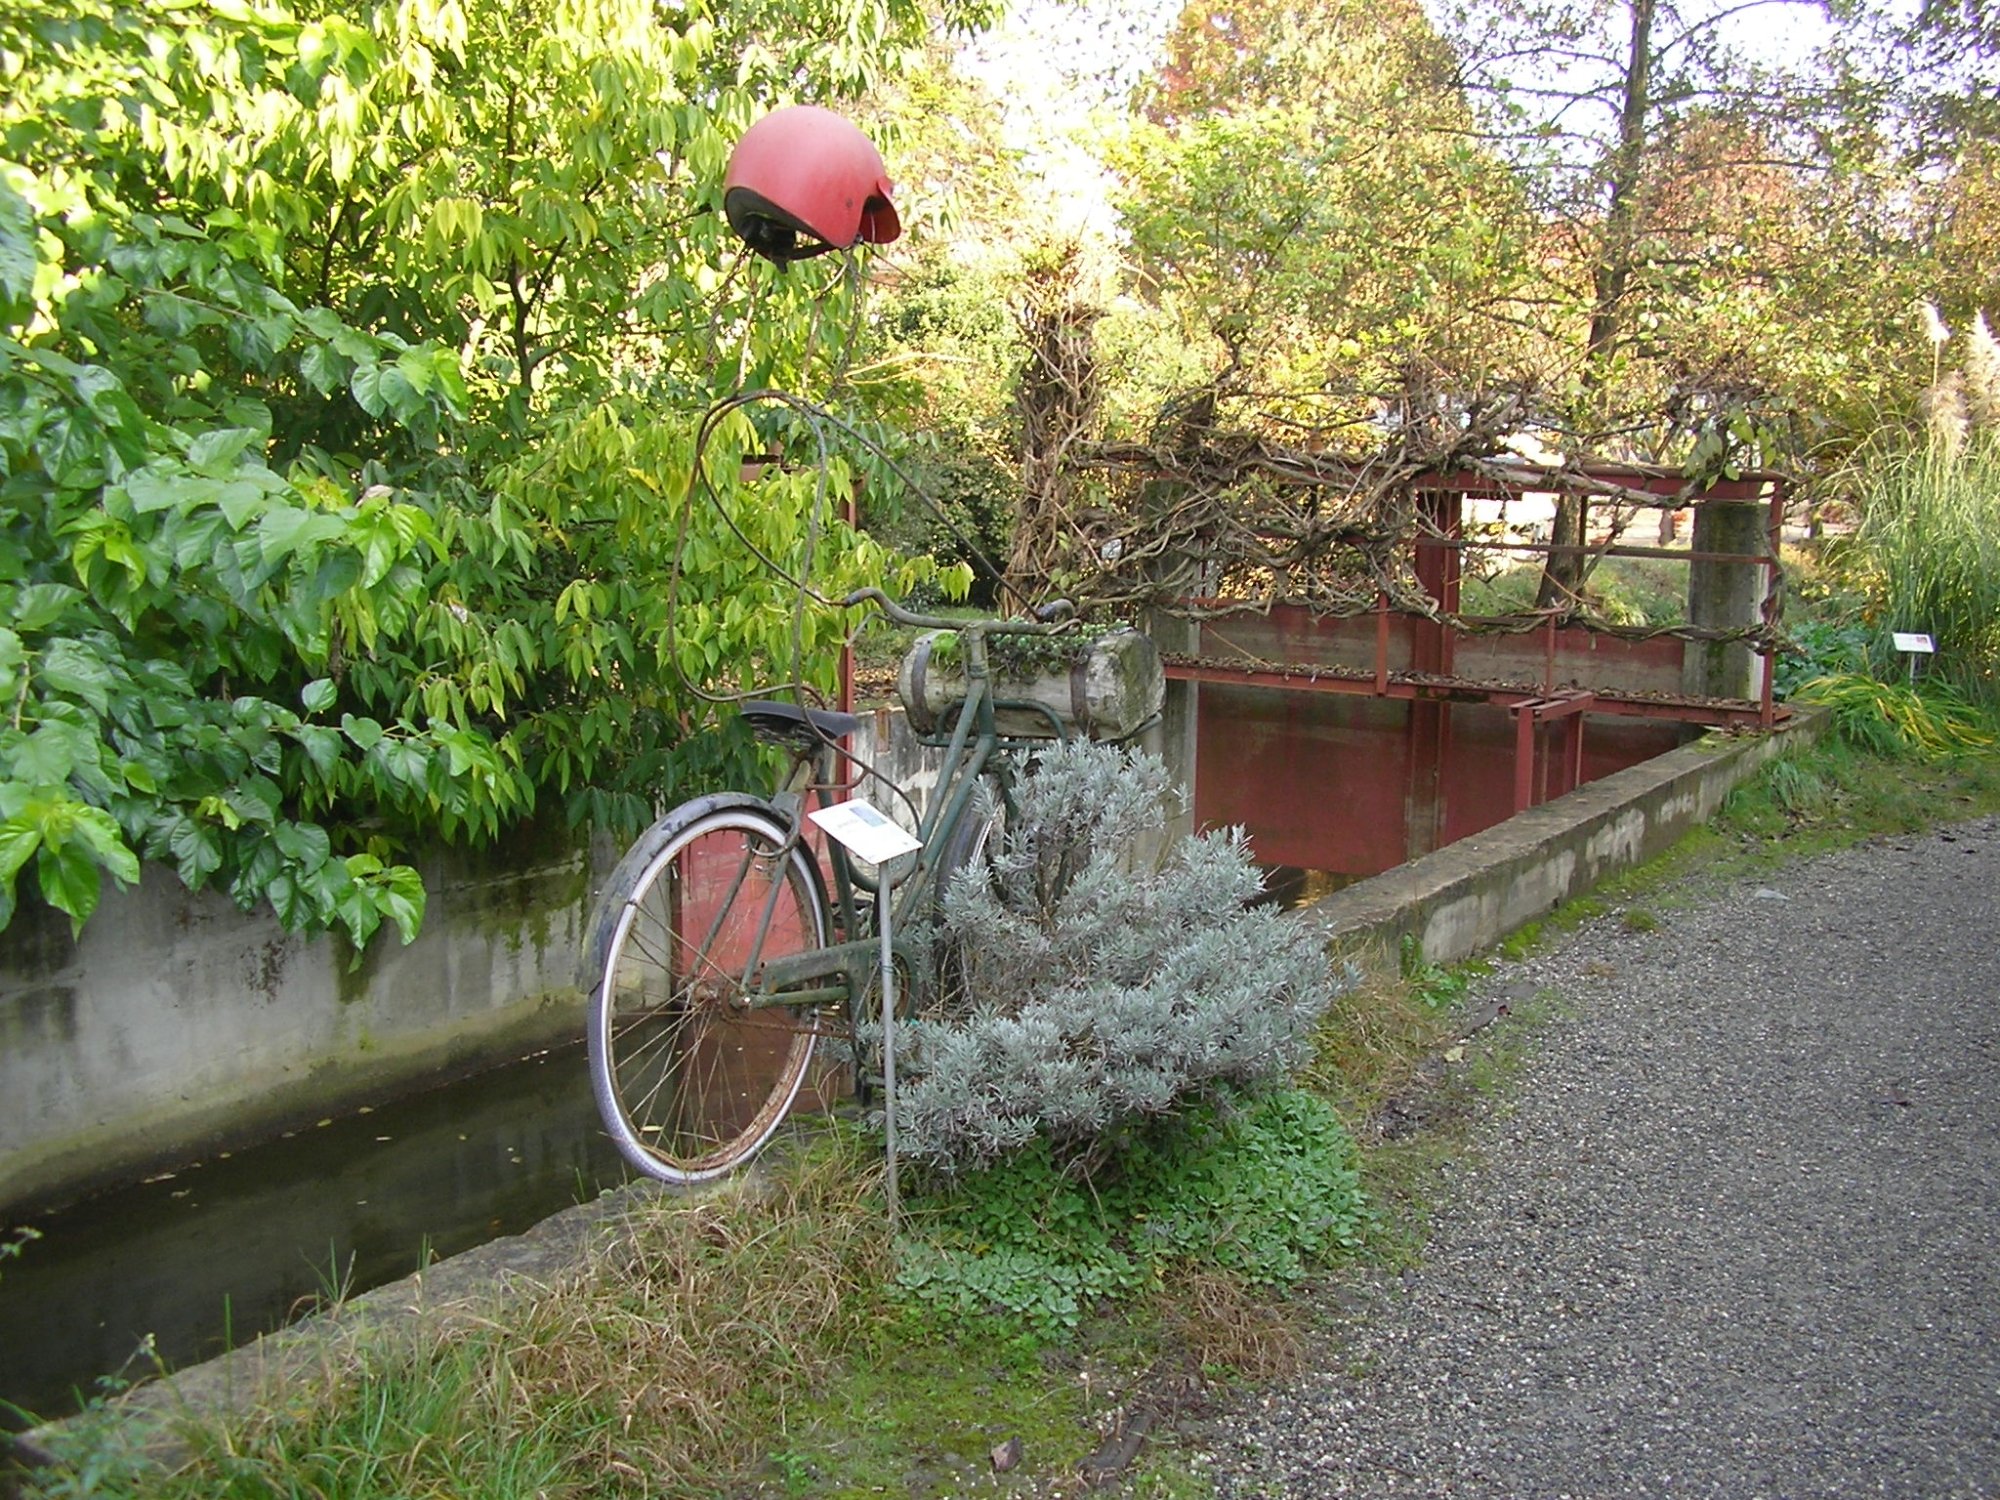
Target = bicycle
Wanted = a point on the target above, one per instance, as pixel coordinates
(717, 960)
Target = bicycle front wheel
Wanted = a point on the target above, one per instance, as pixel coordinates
(690, 1076)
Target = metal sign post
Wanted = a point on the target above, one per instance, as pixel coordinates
(888, 1047)
(869, 834)
(1913, 645)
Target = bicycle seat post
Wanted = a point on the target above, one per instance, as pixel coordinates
(811, 767)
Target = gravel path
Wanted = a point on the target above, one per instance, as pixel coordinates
(1733, 1234)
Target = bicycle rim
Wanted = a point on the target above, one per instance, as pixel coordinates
(690, 1079)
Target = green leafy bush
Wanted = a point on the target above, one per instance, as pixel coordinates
(1263, 1187)
(349, 372)
(1820, 648)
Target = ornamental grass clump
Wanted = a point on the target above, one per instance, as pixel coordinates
(1100, 987)
(1928, 545)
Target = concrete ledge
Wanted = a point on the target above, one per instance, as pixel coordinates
(149, 1426)
(1471, 894)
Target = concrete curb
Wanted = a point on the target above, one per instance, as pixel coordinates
(1471, 894)
(147, 1426)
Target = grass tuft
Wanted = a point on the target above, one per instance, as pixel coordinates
(1928, 553)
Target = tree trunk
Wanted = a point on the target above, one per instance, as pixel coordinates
(1562, 574)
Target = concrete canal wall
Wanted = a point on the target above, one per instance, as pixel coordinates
(177, 1022)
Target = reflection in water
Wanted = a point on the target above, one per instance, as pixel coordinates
(233, 1247)
(1291, 887)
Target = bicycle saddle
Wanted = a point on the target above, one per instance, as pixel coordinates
(789, 724)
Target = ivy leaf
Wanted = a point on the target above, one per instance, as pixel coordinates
(238, 501)
(40, 605)
(287, 901)
(48, 756)
(402, 900)
(12, 659)
(286, 529)
(70, 667)
(20, 837)
(254, 801)
(219, 451)
(364, 732)
(324, 370)
(305, 844)
(18, 258)
(367, 385)
(156, 489)
(196, 849)
(69, 882)
(358, 912)
(70, 450)
(321, 745)
(101, 835)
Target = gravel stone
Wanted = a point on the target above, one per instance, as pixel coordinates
(1731, 1233)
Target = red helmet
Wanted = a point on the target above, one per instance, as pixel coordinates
(807, 172)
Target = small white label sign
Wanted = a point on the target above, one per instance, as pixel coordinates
(865, 832)
(1909, 642)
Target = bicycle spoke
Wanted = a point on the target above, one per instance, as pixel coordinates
(698, 1073)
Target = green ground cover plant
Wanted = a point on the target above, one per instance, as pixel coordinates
(1264, 1189)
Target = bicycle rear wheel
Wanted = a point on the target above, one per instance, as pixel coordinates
(690, 1078)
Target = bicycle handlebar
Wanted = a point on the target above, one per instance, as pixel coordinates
(1049, 618)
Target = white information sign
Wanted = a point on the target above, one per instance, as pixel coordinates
(1909, 642)
(865, 831)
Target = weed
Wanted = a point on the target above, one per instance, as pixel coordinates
(1223, 1325)
(1433, 985)
(1264, 1189)
(1369, 1044)
(18, 1241)
(1638, 919)
(1900, 723)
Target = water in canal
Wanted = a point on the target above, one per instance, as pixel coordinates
(238, 1245)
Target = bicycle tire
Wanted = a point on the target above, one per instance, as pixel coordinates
(691, 1083)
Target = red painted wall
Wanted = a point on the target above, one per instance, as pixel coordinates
(1354, 784)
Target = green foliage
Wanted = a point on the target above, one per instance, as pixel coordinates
(1276, 282)
(1819, 648)
(1927, 552)
(1434, 986)
(1618, 590)
(18, 1240)
(349, 368)
(1795, 785)
(1897, 722)
(1265, 1188)
(974, 496)
(1836, 792)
